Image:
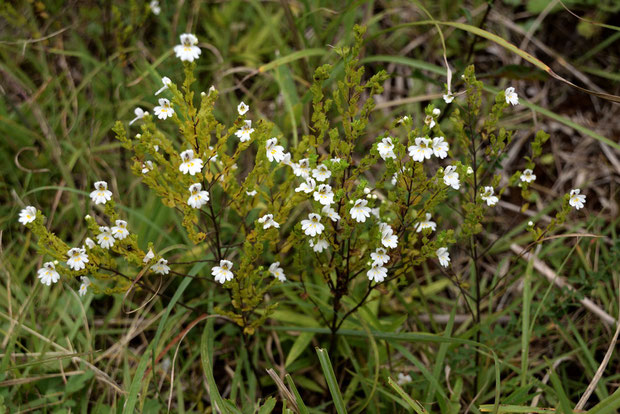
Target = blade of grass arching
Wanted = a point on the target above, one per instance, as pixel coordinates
(291, 58)
(299, 346)
(565, 403)
(300, 403)
(525, 320)
(609, 405)
(415, 405)
(330, 378)
(441, 355)
(507, 409)
(597, 48)
(414, 63)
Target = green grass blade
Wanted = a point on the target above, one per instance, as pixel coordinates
(291, 58)
(416, 406)
(332, 383)
(300, 403)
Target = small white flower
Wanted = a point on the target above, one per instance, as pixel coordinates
(440, 147)
(379, 257)
(148, 256)
(388, 238)
(251, 193)
(242, 108)
(470, 170)
(386, 148)
(274, 151)
(222, 272)
(101, 195)
(321, 173)
(375, 211)
(402, 378)
(527, 176)
(451, 177)
(430, 121)
(120, 230)
(245, 131)
(166, 81)
(448, 98)
(402, 119)
(487, 195)
(190, 165)
(443, 256)
(324, 194)
(427, 223)
(421, 150)
(140, 113)
(511, 96)
(187, 50)
(359, 212)
(335, 160)
(268, 221)
(198, 197)
(105, 237)
(436, 112)
(277, 271)
(331, 213)
(84, 286)
(530, 223)
(147, 166)
(312, 226)
(27, 215)
(394, 178)
(164, 109)
(77, 258)
(576, 199)
(89, 243)
(306, 187)
(377, 273)
(156, 148)
(302, 168)
(48, 274)
(154, 5)
(286, 159)
(320, 245)
(161, 267)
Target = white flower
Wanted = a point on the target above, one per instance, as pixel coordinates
(244, 133)
(242, 108)
(321, 173)
(436, 112)
(511, 96)
(375, 211)
(277, 271)
(147, 166)
(331, 213)
(451, 177)
(487, 195)
(440, 147)
(443, 256)
(577, 200)
(427, 223)
(402, 119)
(187, 50)
(448, 97)
(48, 274)
(89, 243)
(166, 81)
(307, 187)
(84, 286)
(394, 178)
(388, 238)
(251, 193)
(27, 215)
(105, 238)
(402, 378)
(77, 258)
(101, 195)
(222, 272)
(430, 121)
(312, 226)
(154, 5)
(320, 245)
(268, 221)
(302, 168)
(527, 176)
(286, 159)
(530, 223)
(470, 170)
(274, 151)
(190, 165)
(164, 109)
(386, 148)
(335, 160)
(161, 267)
(379, 257)
(140, 113)
(377, 273)
(149, 256)
(120, 230)
(198, 197)
(324, 194)
(421, 150)
(359, 211)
